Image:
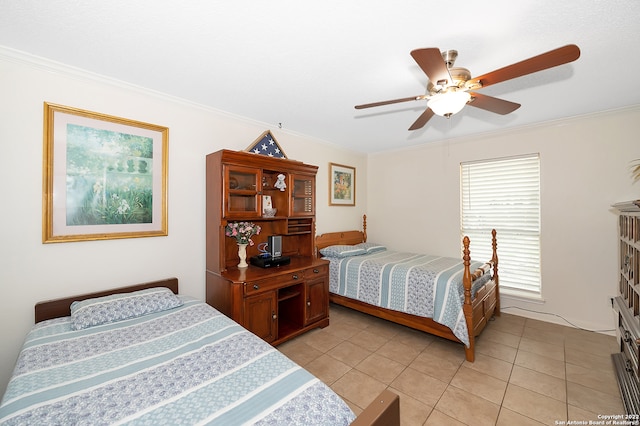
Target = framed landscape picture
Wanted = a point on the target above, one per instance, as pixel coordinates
(342, 185)
(104, 177)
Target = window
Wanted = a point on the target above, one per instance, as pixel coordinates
(504, 194)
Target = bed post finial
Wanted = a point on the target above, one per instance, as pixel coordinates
(494, 243)
(364, 227)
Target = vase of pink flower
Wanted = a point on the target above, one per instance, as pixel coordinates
(242, 232)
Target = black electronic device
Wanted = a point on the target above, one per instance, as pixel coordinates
(266, 261)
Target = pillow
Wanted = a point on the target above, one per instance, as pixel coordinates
(340, 251)
(371, 247)
(102, 310)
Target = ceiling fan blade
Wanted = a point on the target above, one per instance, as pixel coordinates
(489, 103)
(553, 58)
(422, 120)
(393, 101)
(431, 62)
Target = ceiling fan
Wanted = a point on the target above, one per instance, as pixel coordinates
(451, 88)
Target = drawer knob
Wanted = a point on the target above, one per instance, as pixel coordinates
(295, 276)
(256, 286)
(308, 303)
(315, 271)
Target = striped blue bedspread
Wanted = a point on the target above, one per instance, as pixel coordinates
(187, 365)
(418, 284)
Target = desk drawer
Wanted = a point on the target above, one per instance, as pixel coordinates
(316, 271)
(271, 283)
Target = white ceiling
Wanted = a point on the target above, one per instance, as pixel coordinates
(304, 65)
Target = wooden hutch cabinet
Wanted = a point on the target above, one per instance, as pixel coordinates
(627, 306)
(276, 303)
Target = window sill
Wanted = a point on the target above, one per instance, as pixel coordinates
(522, 296)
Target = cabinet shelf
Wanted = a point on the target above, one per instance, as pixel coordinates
(299, 226)
(287, 294)
(287, 330)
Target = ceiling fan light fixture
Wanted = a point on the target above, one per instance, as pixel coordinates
(450, 88)
(449, 103)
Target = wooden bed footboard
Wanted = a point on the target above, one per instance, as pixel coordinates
(382, 411)
(478, 310)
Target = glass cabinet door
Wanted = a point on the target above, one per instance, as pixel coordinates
(242, 193)
(302, 195)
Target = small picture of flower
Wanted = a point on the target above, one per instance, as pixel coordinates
(342, 185)
(242, 231)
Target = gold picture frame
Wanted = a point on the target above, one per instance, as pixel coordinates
(342, 185)
(104, 177)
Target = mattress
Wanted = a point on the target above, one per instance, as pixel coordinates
(418, 284)
(186, 365)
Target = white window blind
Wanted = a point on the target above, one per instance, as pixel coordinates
(504, 194)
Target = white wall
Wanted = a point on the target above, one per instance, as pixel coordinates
(585, 168)
(31, 271)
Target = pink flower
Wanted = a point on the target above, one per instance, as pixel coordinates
(242, 231)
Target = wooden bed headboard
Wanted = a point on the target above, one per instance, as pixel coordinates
(344, 237)
(62, 307)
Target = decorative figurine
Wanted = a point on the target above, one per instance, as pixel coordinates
(280, 184)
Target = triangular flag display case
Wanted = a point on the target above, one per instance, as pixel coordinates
(266, 144)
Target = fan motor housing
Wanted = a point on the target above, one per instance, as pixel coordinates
(459, 76)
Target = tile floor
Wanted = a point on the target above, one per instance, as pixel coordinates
(527, 372)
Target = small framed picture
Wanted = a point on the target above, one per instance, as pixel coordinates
(105, 177)
(342, 185)
(266, 203)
